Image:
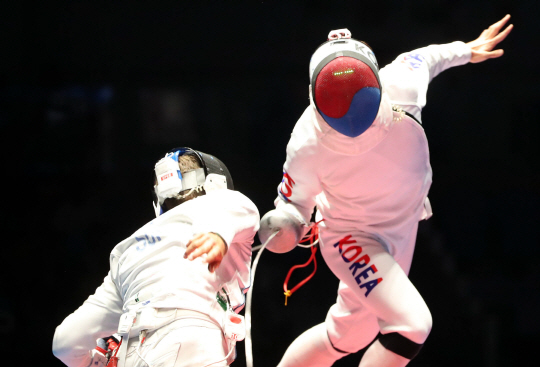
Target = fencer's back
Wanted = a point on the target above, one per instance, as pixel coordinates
(149, 269)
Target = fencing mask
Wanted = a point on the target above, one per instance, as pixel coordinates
(169, 182)
(345, 84)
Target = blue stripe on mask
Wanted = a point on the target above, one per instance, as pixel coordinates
(361, 114)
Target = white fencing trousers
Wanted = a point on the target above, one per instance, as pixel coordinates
(374, 293)
(183, 343)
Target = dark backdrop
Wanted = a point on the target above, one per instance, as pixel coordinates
(93, 93)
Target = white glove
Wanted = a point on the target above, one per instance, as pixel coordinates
(291, 230)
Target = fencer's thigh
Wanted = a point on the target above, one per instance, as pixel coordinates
(183, 343)
(374, 284)
(349, 324)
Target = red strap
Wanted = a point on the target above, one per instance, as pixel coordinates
(113, 361)
(112, 344)
(311, 237)
(101, 350)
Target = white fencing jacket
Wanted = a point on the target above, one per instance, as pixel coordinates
(377, 182)
(148, 270)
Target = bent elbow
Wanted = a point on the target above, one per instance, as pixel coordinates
(66, 349)
(59, 345)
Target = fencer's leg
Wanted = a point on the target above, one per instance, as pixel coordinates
(312, 348)
(379, 356)
(404, 319)
(383, 288)
(350, 325)
(183, 343)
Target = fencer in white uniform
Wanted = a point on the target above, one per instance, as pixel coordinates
(176, 280)
(359, 155)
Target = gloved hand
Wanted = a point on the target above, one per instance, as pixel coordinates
(291, 230)
(102, 352)
(99, 358)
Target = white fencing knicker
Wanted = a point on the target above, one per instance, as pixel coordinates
(147, 319)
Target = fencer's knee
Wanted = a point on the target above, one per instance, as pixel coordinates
(420, 327)
(329, 343)
(415, 324)
(351, 343)
(427, 326)
(332, 344)
(409, 342)
(400, 345)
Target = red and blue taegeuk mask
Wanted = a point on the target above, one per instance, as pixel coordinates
(345, 85)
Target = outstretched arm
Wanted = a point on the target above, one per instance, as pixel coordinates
(482, 47)
(96, 318)
(406, 79)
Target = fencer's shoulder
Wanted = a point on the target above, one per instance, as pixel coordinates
(226, 194)
(304, 134)
(425, 58)
(122, 246)
(304, 125)
(231, 198)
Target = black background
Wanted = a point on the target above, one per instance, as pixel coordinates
(93, 93)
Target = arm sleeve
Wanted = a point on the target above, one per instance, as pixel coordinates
(300, 184)
(406, 79)
(98, 317)
(236, 219)
(230, 214)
